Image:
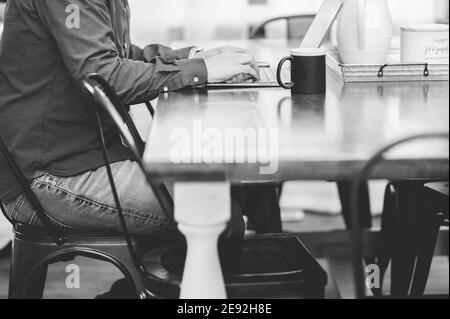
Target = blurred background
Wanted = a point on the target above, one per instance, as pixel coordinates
(166, 21)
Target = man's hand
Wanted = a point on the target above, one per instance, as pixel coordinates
(225, 54)
(228, 65)
(217, 51)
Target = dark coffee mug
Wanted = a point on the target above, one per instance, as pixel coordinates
(308, 71)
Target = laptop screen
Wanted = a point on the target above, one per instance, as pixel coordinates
(322, 24)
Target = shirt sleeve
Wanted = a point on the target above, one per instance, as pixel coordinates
(157, 50)
(89, 47)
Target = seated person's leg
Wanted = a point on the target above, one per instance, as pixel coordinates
(85, 201)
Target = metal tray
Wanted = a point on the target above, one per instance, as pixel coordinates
(393, 71)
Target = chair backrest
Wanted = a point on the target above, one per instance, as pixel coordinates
(27, 191)
(110, 104)
(297, 26)
(363, 174)
(121, 109)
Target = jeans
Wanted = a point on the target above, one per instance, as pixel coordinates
(85, 202)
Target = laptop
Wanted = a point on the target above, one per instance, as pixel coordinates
(317, 32)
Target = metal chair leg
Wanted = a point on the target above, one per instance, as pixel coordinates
(408, 226)
(36, 285)
(425, 254)
(24, 283)
(263, 208)
(344, 188)
(128, 268)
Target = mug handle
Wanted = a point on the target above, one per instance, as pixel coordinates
(280, 68)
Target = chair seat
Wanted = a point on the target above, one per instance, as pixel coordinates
(33, 231)
(438, 198)
(269, 266)
(440, 188)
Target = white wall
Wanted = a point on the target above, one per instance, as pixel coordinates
(441, 9)
(199, 20)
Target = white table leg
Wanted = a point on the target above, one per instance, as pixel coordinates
(202, 211)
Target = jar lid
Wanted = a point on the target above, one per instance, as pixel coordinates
(430, 27)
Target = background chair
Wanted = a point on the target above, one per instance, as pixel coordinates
(412, 230)
(271, 266)
(436, 202)
(297, 26)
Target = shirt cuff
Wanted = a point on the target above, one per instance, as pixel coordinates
(194, 51)
(194, 72)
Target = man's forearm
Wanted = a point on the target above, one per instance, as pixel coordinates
(192, 72)
(156, 50)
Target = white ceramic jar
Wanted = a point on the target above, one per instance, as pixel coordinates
(427, 43)
(364, 32)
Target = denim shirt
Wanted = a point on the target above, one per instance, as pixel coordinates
(46, 48)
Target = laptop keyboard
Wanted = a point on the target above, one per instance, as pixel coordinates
(267, 77)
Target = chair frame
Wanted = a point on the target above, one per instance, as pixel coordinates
(96, 87)
(437, 207)
(56, 246)
(105, 97)
(363, 175)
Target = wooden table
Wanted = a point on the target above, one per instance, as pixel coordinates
(306, 137)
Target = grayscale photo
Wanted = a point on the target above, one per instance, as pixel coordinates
(229, 156)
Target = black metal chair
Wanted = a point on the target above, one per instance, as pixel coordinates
(410, 271)
(297, 26)
(34, 249)
(270, 266)
(436, 202)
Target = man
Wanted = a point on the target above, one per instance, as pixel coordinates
(47, 47)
